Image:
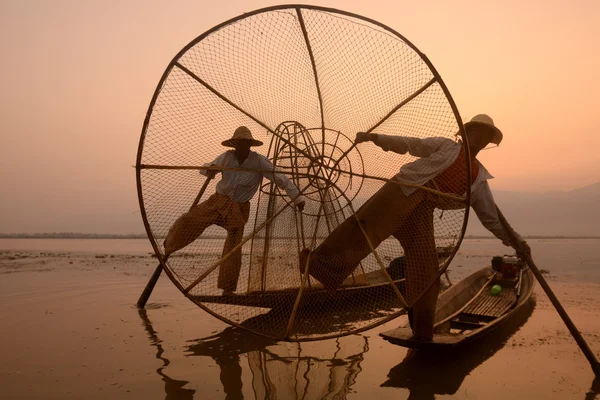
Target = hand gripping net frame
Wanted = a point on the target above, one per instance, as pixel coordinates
(304, 79)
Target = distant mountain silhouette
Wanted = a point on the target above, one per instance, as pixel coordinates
(554, 213)
(572, 213)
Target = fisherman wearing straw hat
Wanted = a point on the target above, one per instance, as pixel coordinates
(229, 207)
(409, 214)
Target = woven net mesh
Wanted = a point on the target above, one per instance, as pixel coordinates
(304, 81)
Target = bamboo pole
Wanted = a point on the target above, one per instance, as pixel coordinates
(141, 303)
(396, 108)
(292, 319)
(304, 277)
(394, 181)
(385, 273)
(315, 74)
(305, 274)
(559, 308)
(362, 268)
(256, 230)
(267, 242)
(249, 286)
(373, 250)
(296, 179)
(215, 265)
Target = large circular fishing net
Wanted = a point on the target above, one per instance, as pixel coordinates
(303, 80)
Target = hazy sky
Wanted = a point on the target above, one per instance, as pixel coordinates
(77, 77)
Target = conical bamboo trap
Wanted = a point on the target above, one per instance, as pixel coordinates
(304, 80)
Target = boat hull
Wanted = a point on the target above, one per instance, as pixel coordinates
(481, 313)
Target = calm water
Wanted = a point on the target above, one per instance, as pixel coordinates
(80, 336)
(90, 246)
(566, 259)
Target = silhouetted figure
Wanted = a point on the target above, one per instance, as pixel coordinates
(427, 374)
(225, 348)
(406, 213)
(229, 207)
(283, 370)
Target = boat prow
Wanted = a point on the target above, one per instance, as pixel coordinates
(469, 310)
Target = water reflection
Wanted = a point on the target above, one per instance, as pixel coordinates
(337, 317)
(427, 374)
(329, 369)
(280, 370)
(174, 389)
(225, 348)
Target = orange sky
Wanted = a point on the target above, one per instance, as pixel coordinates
(77, 77)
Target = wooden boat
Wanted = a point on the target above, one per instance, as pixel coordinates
(469, 309)
(373, 284)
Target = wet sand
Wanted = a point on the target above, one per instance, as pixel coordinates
(71, 330)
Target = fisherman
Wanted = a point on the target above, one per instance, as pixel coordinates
(409, 214)
(229, 207)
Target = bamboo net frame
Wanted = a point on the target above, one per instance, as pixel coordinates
(233, 75)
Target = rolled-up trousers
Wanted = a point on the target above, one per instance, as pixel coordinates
(218, 210)
(387, 213)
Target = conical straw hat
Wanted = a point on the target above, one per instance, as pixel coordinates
(241, 133)
(488, 122)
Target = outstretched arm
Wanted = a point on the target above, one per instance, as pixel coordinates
(404, 144)
(218, 162)
(517, 242)
(488, 213)
(282, 182)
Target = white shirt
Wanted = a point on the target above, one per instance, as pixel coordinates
(241, 186)
(437, 154)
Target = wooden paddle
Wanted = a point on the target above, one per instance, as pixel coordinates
(561, 311)
(154, 278)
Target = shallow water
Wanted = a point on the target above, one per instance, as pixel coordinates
(70, 330)
(568, 259)
(89, 246)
